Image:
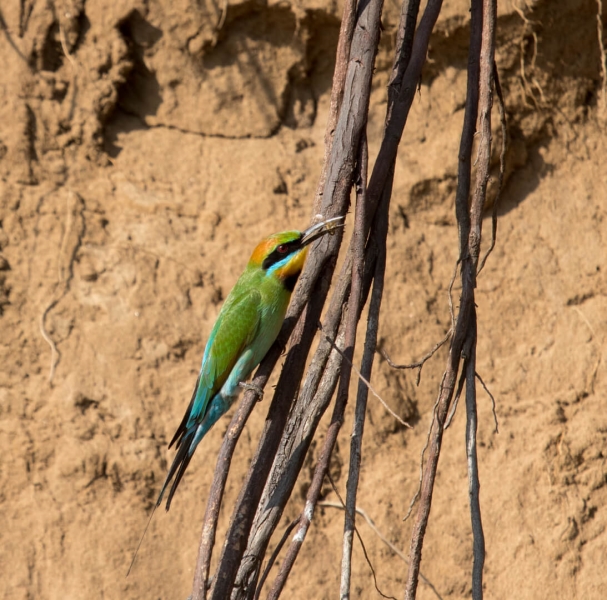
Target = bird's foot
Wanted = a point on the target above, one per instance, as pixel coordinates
(251, 386)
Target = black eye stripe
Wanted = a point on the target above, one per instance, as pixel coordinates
(276, 256)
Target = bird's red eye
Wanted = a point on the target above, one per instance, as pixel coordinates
(282, 249)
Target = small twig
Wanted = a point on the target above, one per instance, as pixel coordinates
(492, 401)
(350, 514)
(379, 235)
(365, 381)
(450, 292)
(382, 537)
(419, 364)
(362, 544)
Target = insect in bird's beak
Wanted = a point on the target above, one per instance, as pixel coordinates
(329, 226)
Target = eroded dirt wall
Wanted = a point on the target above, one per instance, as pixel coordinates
(145, 147)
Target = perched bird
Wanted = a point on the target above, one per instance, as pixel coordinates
(247, 325)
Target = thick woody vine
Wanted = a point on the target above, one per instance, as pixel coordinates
(302, 396)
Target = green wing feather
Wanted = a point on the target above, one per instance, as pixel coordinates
(235, 329)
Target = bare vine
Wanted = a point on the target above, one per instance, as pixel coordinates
(299, 402)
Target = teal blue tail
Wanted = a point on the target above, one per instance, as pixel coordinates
(192, 429)
(188, 435)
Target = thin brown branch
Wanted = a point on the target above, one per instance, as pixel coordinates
(486, 81)
(356, 439)
(485, 100)
(224, 460)
(350, 515)
(352, 317)
(274, 556)
(478, 537)
(492, 402)
(405, 76)
(368, 560)
(342, 57)
(418, 491)
(469, 237)
(366, 382)
(382, 537)
(404, 46)
(399, 110)
(311, 403)
(338, 181)
(502, 169)
(450, 294)
(458, 394)
(420, 363)
(599, 32)
(244, 511)
(469, 217)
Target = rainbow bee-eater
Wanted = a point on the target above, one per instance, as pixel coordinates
(247, 325)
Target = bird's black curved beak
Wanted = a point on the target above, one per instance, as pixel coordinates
(316, 231)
